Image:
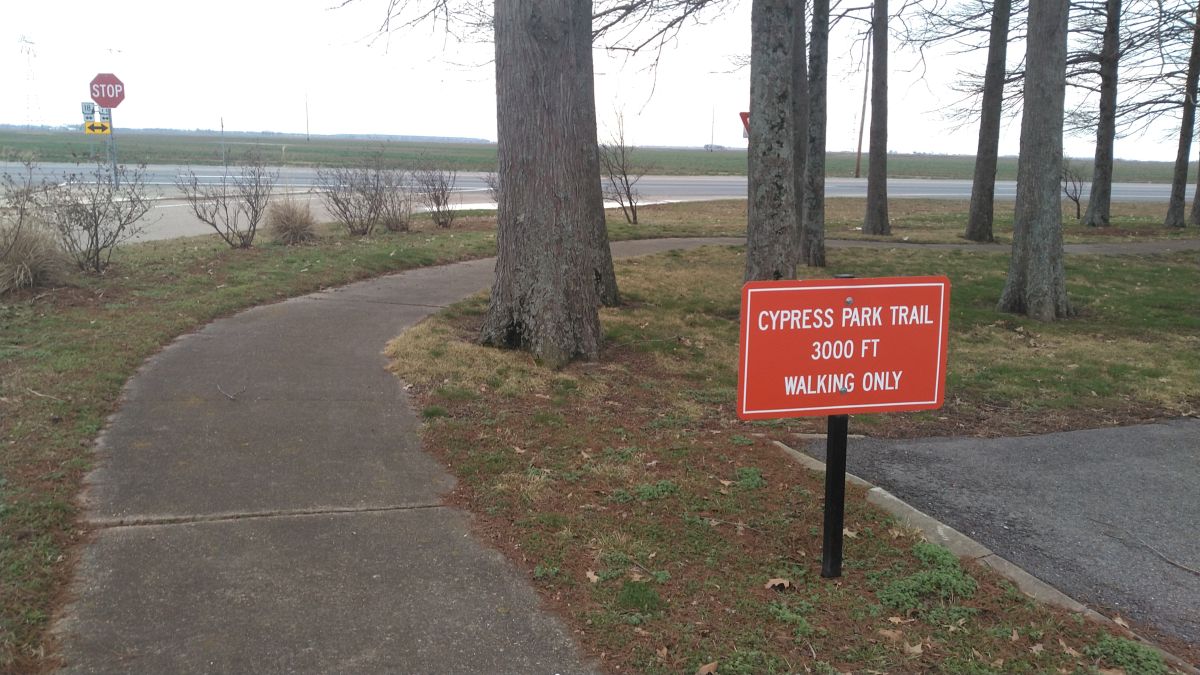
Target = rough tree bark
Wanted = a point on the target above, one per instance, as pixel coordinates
(812, 237)
(799, 115)
(1036, 283)
(876, 221)
(1186, 127)
(983, 189)
(544, 298)
(1100, 196)
(770, 232)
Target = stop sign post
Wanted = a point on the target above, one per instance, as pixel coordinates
(107, 90)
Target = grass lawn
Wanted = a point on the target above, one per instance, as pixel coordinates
(654, 520)
(924, 221)
(65, 354)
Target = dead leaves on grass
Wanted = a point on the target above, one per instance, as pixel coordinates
(778, 584)
(708, 669)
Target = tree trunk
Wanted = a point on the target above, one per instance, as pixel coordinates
(799, 116)
(1186, 127)
(983, 189)
(812, 242)
(876, 221)
(1100, 196)
(544, 298)
(603, 274)
(1036, 283)
(770, 232)
(1194, 219)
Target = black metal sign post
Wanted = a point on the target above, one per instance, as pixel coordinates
(837, 428)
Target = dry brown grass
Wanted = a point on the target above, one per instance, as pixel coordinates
(291, 222)
(30, 256)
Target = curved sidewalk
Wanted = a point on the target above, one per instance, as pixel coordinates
(261, 503)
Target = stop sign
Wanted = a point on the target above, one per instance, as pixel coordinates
(107, 91)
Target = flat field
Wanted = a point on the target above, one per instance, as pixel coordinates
(294, 150)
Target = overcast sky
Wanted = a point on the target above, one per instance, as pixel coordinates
(255, 63)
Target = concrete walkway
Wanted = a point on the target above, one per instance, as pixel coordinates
(262, 504)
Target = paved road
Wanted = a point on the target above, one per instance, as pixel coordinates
(172, 218)
(1079, 510)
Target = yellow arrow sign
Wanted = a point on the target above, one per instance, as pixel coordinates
(97, 128)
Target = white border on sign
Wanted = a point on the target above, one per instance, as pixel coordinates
(937, 381)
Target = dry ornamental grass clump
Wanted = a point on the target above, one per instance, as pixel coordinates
(291, 222)
(30, 256)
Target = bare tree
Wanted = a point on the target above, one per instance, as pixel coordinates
(235, 205)
(1100, 195)
(812, 236)
(983, 186)
(621, 172)
(876, 221)
(799, 118)
(770, 232)
(1072, 185)
(95, 210)
(544, 298)
(434, 186)
(1036, 281)
(1186, 129)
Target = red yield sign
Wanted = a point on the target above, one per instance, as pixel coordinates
(842, 346)
(107, 90)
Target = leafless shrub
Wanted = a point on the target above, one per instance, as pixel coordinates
(31, 256)
(621, 173)
(291, 222)
(396, 207)
(234, 205)
(492, 180)
(96, 210)
(1072, 185)
(17, 203)
(363, 197)
(435, 188)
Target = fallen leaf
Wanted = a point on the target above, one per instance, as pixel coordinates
(1112, 671)
(899, 620)
(1068, 650)
(635, 575)
(778, 584)
(895, 532)
(1120, 622)
(913, 650)
(998, 663)
(662, 652)
(723, 491)
(640, 631)
(726, 483)
(591, 576)
(1037, 649)
(849, 533)
(517, 450)
(976, 654)
(651, 465)
(584, 454)
(1014, 636)
(893, 635)
(707, 669)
